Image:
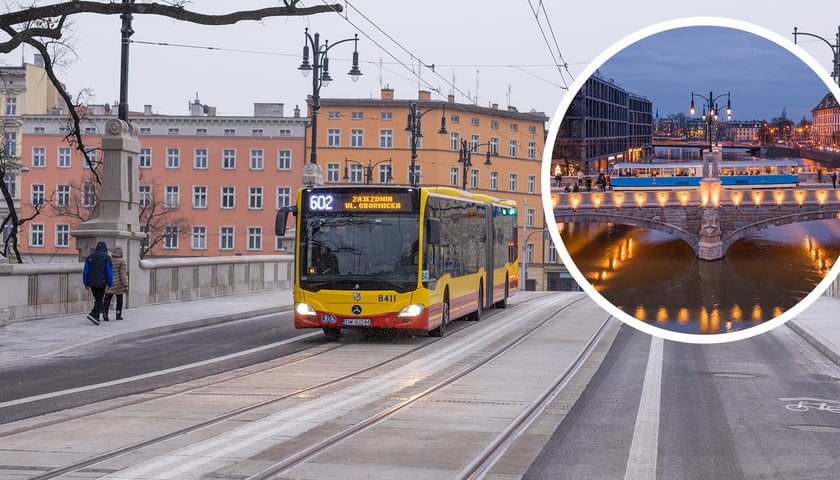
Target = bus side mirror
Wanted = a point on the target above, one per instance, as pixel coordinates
(433, 231)
(281, 219)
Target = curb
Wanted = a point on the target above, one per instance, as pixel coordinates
(816, 340)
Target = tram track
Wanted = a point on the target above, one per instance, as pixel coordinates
(310, 391)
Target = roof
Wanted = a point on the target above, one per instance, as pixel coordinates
(828, 102)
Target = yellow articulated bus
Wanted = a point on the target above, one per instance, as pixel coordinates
(399, 257)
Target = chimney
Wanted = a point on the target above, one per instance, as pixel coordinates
(387, 93)
(424, 95)
(297, 111)
(494, 106)
(450, 98)
(147, 110)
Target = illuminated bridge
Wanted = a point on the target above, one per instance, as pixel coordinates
(710, 220)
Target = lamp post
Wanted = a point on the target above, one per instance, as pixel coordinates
(125, 34)
(712, 105)
(368, 170)
(835, 49)
(414, 128)
(320, 69)
(465, 158)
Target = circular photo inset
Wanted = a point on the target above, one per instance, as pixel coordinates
(692, 183)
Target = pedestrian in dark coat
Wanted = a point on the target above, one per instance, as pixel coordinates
(97, 275)
(834, 179)
(119, 287)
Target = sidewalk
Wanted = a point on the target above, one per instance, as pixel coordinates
(30, 339)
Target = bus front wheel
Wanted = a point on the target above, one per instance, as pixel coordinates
(444, 318)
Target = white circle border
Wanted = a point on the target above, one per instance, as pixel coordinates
(545, 183)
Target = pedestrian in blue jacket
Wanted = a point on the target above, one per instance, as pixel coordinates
(97, 275)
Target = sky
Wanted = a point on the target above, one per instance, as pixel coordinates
(523, 53)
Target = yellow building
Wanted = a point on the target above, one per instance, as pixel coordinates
(24, 90)
(370, 141)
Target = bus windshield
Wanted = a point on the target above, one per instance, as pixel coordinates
(343, 251)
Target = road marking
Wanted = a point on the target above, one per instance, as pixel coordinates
(803, 404)
(641, 463)
(158, 373)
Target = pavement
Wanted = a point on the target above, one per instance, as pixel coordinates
(37, 338)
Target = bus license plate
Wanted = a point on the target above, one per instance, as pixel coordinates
(356, 322)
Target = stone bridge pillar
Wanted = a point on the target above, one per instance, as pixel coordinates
(115, 219)
(710, 247)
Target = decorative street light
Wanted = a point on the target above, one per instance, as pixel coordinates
(465, 158)
(369, 170)
(320, 68)
(835, 49)
(413, 127)
(712, 118)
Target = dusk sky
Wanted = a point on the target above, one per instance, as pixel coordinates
(762, 77)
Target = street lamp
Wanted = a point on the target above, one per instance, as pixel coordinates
(368, 170)
(465, 158)
(835, 49)
(320, 68)
(711, 104)
(413, 127)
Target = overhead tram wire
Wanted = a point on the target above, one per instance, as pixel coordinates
(556, 44)
(559, 66)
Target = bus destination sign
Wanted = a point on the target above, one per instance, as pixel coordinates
(358, 201)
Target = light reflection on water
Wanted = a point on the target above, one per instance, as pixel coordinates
(656, 278)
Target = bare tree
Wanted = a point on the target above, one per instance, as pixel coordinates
(44, 28)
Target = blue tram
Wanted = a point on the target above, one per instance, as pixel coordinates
(733, 174)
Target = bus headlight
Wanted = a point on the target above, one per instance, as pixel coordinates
(304, 310)
(411, 310)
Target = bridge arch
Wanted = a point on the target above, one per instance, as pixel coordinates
(822, 214)
(693, 240)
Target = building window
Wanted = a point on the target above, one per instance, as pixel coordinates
(230, 131)
(512, 182)
(333, 137)
(284, 197)
(454, 119)
(453, 176)
(552, 253)
(90, 130)
(39, 130)
(529, 217)
(355, 173)
(256, 159)
(532, 129)
(228, 197)
(385, 174)
(225, 238)
(173, 131)
(145, 199)
(512, 149)
(62, 196)
(334, 115)
(255, 198)
(494, 124)
(64, 157)
(514, 127)
(414, 177)
(62, 235)
(532, 183)
(11, 106)
(357, 115)
(145, 157)
(257, 132)
(473, 178)
(474, 121)
(474, 141)
(387, 116)
(284, 159)
(201, 131)
(145, 131)
(357, 138)
(532, 150)
(529, 253)
(254, 238)
(38, 194)
(199, 238)
(494, 180)
(88, 194)
(39, 157)
(173, 158)
(454, 141)
(91, 156)
(36, 235)
(170, 237)
(332, 172)
(171, 197)
(200, 196)
(494, 146)
(200, 159)
(228, 159)
(386, 138)
(285, 132)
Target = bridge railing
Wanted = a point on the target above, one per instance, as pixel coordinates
(756, 198)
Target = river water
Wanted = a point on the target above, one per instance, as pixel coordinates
(656, 278)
